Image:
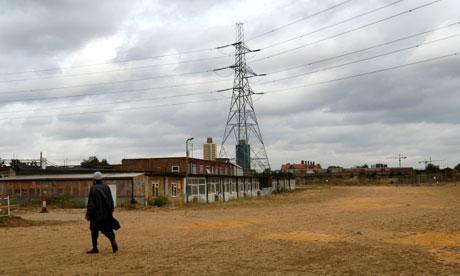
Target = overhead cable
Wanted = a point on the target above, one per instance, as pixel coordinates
(299, 20)
(362, 50)
(346, 32)
(100, 93)
(364, 74)
(115, 70)
(105, 83)
(363, 59)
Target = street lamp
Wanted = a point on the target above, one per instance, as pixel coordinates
(186, 166)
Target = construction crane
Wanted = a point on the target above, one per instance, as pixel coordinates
(429, 161)
(399, 158)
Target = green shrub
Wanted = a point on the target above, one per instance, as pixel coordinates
(160, 201)
(280, 190)
(65, 201)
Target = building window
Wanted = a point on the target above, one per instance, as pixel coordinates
(155, 191)
(211, 188)
(193, 168)
(201, 169)
(197, 186)
(174, 189)
(175, 169)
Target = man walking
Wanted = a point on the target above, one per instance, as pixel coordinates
(99, 213)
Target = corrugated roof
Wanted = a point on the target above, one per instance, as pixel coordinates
(69, 176)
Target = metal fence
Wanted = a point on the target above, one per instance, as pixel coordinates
(415, 179)
(5, 207)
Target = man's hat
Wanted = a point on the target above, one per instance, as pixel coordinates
(97, 176)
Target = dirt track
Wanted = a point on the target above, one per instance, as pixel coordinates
(329, 230)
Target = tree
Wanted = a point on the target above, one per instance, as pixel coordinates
(16, 163)
(457, 168)
(93, 162)
(430, 168)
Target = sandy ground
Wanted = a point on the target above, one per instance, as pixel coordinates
(327, 230)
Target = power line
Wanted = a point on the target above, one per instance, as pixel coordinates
(346, 32)
(364, 59)
(364, 74)
(299, 20)
(117, 70)
(66, 107)
(272, 91)
(106, 83)
(109, 92)
(362, 50)
(335, 24)
(117, 110)
(107, 63)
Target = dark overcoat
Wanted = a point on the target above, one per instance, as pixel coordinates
(100, 207)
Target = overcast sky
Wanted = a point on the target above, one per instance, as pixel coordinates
(81, 78)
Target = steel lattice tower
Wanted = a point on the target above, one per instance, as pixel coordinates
(242, 132)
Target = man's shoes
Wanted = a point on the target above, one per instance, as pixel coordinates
(114, 246)
(92, 251)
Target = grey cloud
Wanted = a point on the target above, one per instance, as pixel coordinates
(352, 122)
(47, 27)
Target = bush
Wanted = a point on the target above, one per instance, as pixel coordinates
(280, 190)
(66, 201)
(160, 201)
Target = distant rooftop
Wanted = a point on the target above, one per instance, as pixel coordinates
(69, 176)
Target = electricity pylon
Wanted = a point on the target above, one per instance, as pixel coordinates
(242, 132)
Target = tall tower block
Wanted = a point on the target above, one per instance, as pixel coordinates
(209, 150)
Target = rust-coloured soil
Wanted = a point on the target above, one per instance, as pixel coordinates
(322, 230)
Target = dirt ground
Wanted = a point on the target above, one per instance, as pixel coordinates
(315, 230)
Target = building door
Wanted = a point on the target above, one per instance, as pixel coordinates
(113, 191)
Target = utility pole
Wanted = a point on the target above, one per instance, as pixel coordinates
(242, 134)
(187, 153)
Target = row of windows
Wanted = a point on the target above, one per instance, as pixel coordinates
(203, 169)
(156, 189)
(197, 189)
(208, 169)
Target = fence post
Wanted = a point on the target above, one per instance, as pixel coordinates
(8, 203)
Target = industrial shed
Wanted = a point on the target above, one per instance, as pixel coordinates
(35, 188)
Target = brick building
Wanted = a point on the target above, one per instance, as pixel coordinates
(207, 181)
(177, 165)
(304, 168)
